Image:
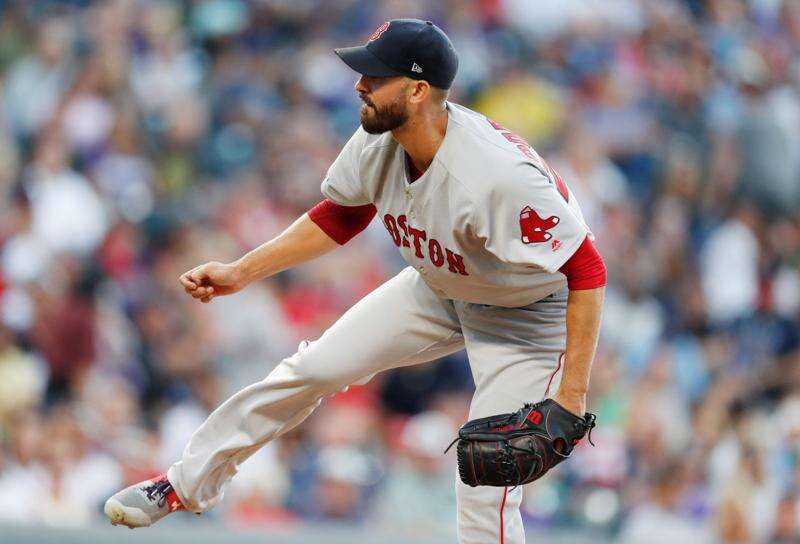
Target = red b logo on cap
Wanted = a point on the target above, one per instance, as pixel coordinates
(378, 31)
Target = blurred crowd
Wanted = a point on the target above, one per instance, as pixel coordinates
(139, 138)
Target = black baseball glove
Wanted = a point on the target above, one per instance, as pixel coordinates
(514, 449)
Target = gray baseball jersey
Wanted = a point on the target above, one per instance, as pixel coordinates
(488, 222)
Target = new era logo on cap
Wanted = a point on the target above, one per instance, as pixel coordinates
(416, 68)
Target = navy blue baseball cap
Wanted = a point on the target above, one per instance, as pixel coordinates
(405, 47)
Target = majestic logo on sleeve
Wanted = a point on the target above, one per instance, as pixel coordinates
(534, 228)
(378, 31)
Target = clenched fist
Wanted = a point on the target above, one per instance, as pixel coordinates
(211, 280)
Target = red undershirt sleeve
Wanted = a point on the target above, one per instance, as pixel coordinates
(585, 269)
(339, 222)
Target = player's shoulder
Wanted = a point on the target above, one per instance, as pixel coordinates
(484, 156)
(476, 135)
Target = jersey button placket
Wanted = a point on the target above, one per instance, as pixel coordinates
(410, 198)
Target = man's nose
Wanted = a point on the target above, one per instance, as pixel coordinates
(361, 86)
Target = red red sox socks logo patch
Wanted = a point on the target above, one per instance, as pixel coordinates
(534, 228)
(378, 31)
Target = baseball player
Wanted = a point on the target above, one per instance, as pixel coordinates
(500, 262)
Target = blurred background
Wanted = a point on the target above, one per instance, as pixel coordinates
(139, 138)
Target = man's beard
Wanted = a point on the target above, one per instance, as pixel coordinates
(385, 118)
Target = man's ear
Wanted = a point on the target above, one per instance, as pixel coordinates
(419, 92)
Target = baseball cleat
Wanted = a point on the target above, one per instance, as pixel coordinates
(143, 504)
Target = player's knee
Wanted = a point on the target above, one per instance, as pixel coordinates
(316, 368)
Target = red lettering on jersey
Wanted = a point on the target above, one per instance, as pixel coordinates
(526, 149)
(391, 226)
(455, 263)
(400, 230)
(534, 228)
(521, 144)
(513, 138)
(403, 222)
(435, 253)
(560, 185)
(418, 235)
(495, 124)
(378, 31)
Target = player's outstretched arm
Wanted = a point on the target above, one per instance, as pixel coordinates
(301, 242)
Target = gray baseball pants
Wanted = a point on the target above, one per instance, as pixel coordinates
(515, 355)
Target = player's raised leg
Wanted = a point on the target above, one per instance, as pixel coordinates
(401, 323)
(515, 356)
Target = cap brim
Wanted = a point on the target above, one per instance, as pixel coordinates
(360, 59)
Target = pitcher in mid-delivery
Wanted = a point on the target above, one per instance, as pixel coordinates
(500, 263)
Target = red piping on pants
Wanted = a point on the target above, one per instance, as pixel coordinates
(502, 506)
(553, 375)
